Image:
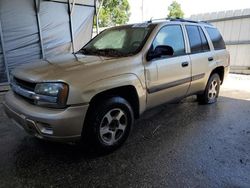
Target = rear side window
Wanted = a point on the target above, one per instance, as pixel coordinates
(197, 39)
(216, 38)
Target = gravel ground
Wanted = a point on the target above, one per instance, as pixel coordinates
(174, 145)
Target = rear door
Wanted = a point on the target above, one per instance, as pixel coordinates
(168, 77)
(202, 58)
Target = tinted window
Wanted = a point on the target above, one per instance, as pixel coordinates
(197, 39)
(171, 36)
(216, 38)
(204, 42)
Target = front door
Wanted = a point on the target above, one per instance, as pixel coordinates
(168, 77)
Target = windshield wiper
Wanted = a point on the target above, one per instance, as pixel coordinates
(87, 51)
(110, 52)
(101, 52)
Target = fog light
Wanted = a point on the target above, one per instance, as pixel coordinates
(45, 128)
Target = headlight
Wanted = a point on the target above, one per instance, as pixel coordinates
(50, 89)
(51, 94)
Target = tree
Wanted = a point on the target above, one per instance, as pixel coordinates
(175, 10)
(113, 12)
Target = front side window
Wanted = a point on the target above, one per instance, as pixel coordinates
(172, 36)
(197, 39)
(120, 41)
(216, 38)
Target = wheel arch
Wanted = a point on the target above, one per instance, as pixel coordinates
(220, 71)
(128, 92)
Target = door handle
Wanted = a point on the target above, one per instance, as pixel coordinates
(185, 64)
(210, 59)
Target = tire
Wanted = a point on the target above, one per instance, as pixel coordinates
(108, 124)
(212, 90)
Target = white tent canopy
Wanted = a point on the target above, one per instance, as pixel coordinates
(36, 29)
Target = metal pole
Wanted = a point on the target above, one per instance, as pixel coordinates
(72, 8)
(97, 17)
(94, 17)
(4, 53)
(37, 9)
(142, 10)
(71, 24)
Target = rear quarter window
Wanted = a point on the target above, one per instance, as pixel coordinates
(216, 38)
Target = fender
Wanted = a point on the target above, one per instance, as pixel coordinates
(127, 79)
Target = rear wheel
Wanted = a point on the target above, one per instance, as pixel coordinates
(212, 90)
(108, 123)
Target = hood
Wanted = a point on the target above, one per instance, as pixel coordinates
(69, 68)
(54, 68)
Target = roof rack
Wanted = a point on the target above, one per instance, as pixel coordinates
(205, 22)
(159, 19)
(178, 20)
(182, 20)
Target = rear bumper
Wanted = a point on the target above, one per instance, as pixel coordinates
(45, 123)
(227, 70)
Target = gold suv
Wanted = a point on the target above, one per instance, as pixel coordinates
(97, 92)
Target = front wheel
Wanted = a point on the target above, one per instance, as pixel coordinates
(212, 90)
(109, 123)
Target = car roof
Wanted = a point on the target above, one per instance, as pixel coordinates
(166, 21)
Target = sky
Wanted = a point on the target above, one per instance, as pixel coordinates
(159, 8)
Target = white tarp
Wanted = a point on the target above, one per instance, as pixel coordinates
(3, 73)
(20, 29)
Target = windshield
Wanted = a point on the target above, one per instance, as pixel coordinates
(119, 41)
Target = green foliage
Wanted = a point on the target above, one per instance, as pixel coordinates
(175, 10)
(114, 12)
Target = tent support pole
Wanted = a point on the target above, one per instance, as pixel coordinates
(37, 9)
(71, 24)
(4, 53)
(97, 16)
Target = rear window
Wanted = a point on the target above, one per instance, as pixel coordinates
(216, 38)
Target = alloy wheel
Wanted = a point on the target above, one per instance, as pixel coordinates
(213, 90)
(113, 126)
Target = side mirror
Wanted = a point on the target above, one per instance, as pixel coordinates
(161, 50)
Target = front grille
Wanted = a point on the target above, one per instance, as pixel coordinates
(26, 90)
(24, 84)
(29, 86)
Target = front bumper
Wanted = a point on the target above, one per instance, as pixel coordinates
(46, 123)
